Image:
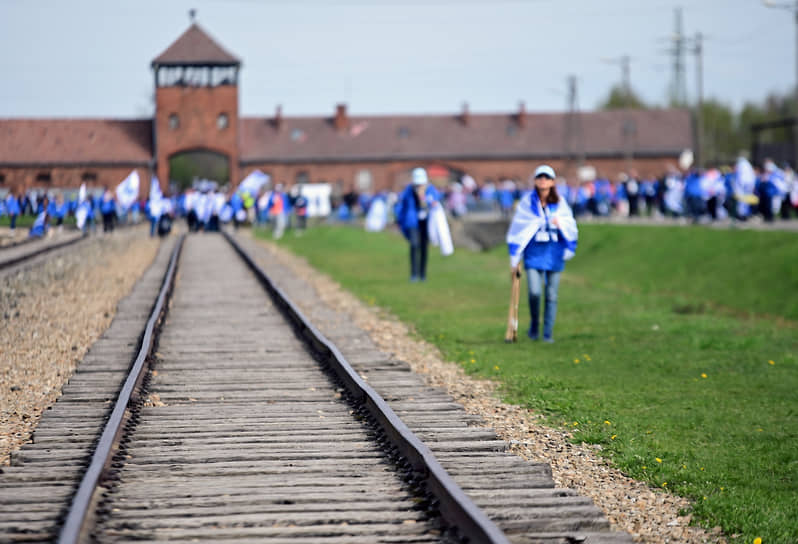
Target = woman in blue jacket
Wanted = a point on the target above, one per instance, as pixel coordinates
(412, 214)
(543, 234)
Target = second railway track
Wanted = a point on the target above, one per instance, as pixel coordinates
(241, 435)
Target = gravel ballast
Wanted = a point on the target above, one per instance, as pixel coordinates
(51, 314)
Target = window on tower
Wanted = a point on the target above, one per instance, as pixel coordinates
(222, 121)
(174, 121)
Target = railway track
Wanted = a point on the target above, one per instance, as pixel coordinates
(25, 251)
(251, 426)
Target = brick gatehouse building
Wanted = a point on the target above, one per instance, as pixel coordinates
(196, 109)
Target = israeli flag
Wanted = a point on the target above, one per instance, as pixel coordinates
(253, 183)
(529, 218)
(128, 191)
(156, 198)
(438, 230)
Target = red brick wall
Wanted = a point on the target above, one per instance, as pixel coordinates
(198, 109)
(394, 175)
(71, 177)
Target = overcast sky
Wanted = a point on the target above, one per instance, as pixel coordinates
(91, 58)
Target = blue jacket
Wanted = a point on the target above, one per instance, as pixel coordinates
(406, 210)
(12, 205)
(546, 250)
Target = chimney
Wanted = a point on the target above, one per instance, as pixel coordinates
(465, 117)
(278, 117)
(341, 121)
(522, 114)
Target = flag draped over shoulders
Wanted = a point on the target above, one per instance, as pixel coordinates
(529, 218)
(377, 216)
(156, 198)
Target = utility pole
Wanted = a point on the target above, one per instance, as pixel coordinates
(679, 89)
(791, 6)
(626, 80)
(573, 144)
(699, 73)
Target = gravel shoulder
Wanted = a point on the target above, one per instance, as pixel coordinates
(51, 314)
(651, 516)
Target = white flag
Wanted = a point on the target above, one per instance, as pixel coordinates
(438, 231)
(156, 197)
(253, 182)
(82, 193)
(128, 191)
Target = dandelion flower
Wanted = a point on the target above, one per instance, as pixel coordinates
(684, 466)
(495, 367)
(771, 362)
(613, 438)
(658, 460)
(758, 540)
(576, 423)
(606, 422)
(702, 469)
(576, 361)
(644, 467)
(664, 484)
(703, 375)
(473, 360)
(586, 356)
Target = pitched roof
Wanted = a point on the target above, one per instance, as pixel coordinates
(74, 141)
(195, 47)
(485, 136)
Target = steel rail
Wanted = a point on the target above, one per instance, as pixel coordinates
(11, 262)
(455, 506)
(107, 445)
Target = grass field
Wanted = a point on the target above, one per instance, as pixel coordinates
(676, 350)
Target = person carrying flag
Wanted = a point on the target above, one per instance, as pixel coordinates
(543, 234)
(412, 214)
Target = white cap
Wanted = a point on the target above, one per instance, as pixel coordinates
(545, 170)
(419, 176)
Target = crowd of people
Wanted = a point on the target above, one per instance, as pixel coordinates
(740, 192)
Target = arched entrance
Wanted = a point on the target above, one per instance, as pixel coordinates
(188, 167)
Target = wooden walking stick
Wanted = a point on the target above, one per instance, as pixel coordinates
(512, 317)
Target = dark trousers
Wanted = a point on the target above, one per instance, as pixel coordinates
(419, 241)
(108, 221)
(193, 222)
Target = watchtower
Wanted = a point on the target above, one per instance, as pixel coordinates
(196, 101)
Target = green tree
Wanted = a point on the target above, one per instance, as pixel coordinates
(620, 98)
(721, 139)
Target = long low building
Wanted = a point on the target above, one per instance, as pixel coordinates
(196, 95)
